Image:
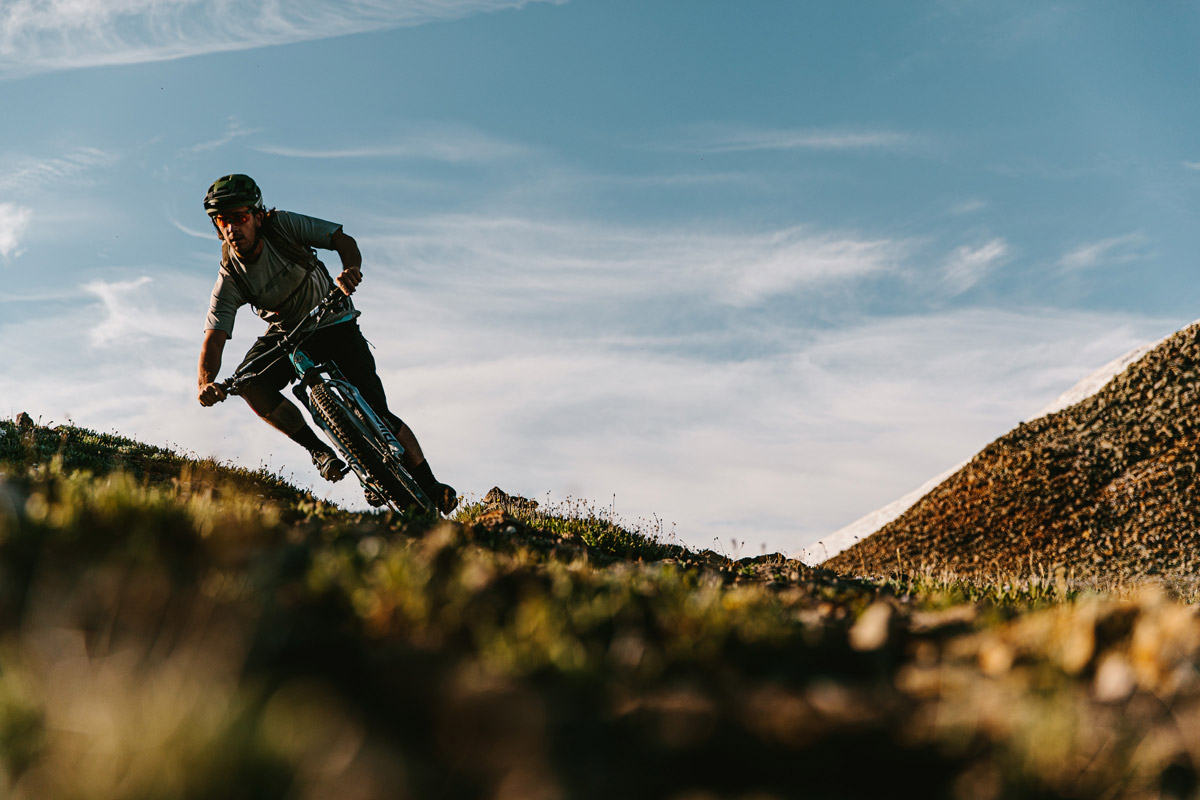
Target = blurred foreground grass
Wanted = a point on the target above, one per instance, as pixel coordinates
(171, 628)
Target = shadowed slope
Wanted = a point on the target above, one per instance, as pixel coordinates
(215, 633)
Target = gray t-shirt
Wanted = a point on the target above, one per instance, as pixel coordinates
(272, 278)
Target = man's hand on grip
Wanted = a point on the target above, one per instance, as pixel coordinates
(349, 280)
(211, 394)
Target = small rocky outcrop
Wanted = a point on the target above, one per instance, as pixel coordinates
(497, 498)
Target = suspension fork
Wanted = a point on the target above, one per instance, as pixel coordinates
(311, 373)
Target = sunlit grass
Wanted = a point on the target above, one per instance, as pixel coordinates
(577, 520)
(172, 628)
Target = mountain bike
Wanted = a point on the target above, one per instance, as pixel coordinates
(364, 442)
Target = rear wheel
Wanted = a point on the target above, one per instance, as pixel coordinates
(387, 474)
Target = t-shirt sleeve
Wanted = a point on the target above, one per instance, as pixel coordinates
(223, 305)
(309, 231)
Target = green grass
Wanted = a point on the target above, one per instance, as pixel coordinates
(177, 628)
(577, 521)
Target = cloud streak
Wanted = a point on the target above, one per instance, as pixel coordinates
(451, 144)
(47, 35)
(967, 265)
(528, 262)
(1116, 250)
(740, 139)
(25, 173)
(234, 130)
(130, 314)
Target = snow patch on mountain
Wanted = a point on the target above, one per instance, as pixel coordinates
(863, 527)
(1097, 380)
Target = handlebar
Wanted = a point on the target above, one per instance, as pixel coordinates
(289, 341)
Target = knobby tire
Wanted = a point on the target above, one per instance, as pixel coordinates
(337, 417)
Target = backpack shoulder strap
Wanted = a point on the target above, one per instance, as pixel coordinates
(289, 248)
(293, 251)
(228, 271)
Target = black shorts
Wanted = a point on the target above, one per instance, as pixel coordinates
(342, 344)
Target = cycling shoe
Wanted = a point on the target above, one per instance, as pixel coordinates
(329, 465)
(445, 498)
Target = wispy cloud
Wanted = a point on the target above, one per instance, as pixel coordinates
(197, 233)
(14, 221)
(523, 259)
(1116, 250)
(968, 207)
(968, 265)
(44, 35)
(23, 172)
(734, 139)
(234, 130)
(452, 144)
(129, 313)
(779, 263)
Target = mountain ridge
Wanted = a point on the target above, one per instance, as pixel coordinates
(829, 546)
(1104, 486)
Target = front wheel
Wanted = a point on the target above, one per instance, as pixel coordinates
(384, 470)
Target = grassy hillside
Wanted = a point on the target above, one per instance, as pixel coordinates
(180, 629)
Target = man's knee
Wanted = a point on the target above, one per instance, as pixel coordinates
(261, 401)
(276, 410)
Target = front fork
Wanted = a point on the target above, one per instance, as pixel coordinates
(311, 374)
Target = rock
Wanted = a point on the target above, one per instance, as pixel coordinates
(498, 521)
(499, 498)
(1115, 679)
(870, 632)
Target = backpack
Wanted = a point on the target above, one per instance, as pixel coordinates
(287, 247)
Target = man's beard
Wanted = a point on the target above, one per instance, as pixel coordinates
(242, 250)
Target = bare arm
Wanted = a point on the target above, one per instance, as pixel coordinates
(347, 250)
(209, 392)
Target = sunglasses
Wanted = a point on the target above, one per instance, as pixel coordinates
(232, 217)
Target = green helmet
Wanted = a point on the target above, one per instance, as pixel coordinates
(232, 191)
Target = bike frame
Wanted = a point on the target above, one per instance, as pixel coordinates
(327, 373)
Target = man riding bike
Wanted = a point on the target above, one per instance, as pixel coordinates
(267, 261)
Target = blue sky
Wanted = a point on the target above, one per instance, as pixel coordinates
(746, 269)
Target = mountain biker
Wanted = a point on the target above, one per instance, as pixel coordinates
(267, 261)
